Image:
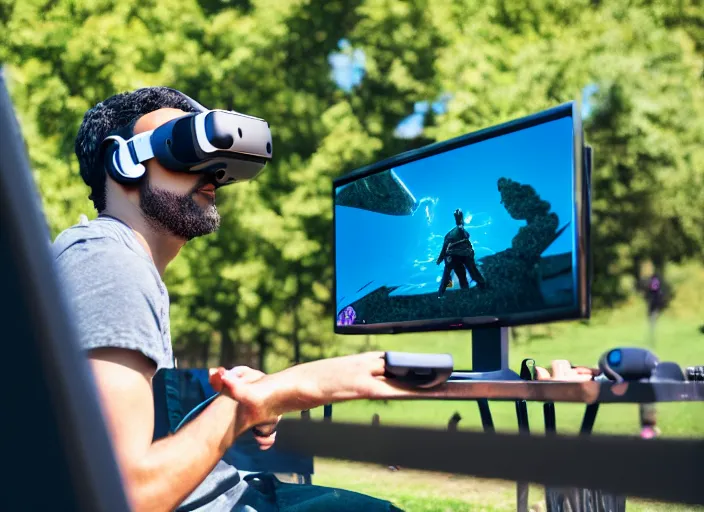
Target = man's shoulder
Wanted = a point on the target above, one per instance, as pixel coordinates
(104, 247)
(97, 236)
(117, 296)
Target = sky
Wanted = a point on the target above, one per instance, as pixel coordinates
(401, 250)
(348, 68)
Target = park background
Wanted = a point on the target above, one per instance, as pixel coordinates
(347, 83)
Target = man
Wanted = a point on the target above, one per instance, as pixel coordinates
(112, 268)
(656, 295)
(457, 253)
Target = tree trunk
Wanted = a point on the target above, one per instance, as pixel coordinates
(635, 272)
(296, 340)
(205, 353)
(263, 346)
(227, 349)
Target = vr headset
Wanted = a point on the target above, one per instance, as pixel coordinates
(231, 146)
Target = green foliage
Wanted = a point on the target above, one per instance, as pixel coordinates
(646, 125)
(261, 285)
(427, 491)
(648, 133)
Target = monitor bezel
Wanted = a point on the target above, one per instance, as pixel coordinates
(580, 310)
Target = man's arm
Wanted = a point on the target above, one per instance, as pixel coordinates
(310, 385)
(160, 475)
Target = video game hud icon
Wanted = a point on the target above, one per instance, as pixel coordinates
(347, 316)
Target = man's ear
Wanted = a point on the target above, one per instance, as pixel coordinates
(113, 188)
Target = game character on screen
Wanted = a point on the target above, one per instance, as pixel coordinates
(458, 255)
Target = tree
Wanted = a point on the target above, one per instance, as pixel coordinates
(646, 124)
(258, 290)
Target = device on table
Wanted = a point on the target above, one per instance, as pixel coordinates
(489, 229)
(628, 363)
(640, 364)
(418, 370)
(695, 373)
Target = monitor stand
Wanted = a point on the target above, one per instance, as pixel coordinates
(489, 356)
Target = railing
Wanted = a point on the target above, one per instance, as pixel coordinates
(660, 469)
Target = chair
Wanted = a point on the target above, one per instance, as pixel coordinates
(54, 442)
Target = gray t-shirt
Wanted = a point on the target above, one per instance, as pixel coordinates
(119, 300)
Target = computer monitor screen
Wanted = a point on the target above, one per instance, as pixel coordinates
(484, 230)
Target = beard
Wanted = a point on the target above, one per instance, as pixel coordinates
(178, 215)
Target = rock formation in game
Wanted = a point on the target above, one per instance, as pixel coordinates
(523, 203)
(383, 192)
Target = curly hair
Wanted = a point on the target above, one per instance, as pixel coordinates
(117, 115)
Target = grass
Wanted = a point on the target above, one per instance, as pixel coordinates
(424, 491)
(417, 490)
(677, 339)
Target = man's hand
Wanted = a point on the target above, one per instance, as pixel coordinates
(563, 371)
(310, 385)
(264, 433)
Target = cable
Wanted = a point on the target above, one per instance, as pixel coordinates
(195, 411)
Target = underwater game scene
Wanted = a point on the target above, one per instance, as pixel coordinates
(484, 230)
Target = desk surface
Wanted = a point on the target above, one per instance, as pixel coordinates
(576, 392)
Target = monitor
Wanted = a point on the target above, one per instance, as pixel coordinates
(487, 229)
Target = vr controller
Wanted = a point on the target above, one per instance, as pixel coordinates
(231, 146)
(418, 370)
(628, 363)
(639, 364)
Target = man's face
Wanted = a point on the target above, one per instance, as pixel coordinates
(180, 203)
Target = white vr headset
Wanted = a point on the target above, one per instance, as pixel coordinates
(231, 146)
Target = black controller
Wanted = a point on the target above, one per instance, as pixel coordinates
(418, 370)
(695, 373)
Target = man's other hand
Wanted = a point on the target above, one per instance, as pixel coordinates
(265, 432)
(563, 371)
